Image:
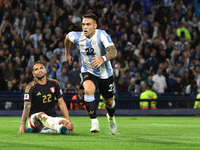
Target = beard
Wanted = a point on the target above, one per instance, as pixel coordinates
(40, 77)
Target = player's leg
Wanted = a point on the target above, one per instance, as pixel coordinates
(62, 122)
(90, 104)
(51, 123)
(111, 108)
(106, 88)
(35, 125)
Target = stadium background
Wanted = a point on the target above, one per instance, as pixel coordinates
(149, 35)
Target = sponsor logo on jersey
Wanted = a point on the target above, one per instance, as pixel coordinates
(26, 96)
(38, 94)
(94, 42)
(52, 89)
(81, 45)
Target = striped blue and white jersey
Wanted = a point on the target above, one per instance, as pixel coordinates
(93, 47)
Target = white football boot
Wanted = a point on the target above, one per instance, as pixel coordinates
(112, 124)
(95, 127)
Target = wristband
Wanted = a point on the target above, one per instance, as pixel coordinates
(104, 58)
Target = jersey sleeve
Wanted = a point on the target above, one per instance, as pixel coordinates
(59, 92)
(105, 39)
(28, 94)
(72, 36)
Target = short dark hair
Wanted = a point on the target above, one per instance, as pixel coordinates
(91, 16)
(38, 62)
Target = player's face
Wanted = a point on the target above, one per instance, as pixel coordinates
(39, 71)
(88, 26)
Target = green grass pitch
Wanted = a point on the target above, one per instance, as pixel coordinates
(134, 133)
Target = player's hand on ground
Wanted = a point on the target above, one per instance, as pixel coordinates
(97, 61)
(68, 59)
(22, 129)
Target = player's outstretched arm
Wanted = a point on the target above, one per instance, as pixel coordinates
(27, 107)
(67, 43)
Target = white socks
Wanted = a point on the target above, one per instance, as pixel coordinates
(94, 120)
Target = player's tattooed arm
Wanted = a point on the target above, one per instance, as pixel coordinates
(112, 52)
(27, 107)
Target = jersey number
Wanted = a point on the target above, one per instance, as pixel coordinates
(111, 88)
(46, 98)
(89, 51)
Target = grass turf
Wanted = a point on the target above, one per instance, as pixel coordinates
(134, 133)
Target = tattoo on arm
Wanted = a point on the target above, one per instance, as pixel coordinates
(27, 107)
(112, 52)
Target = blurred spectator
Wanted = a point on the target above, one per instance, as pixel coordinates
(10, 87)
(69, 88)
(182, 62)
(151, 64)
(132, 67)
(60, 52)
(128, 51)
(197, 8)
(186, 80)
(120, 59)
(21, 82)
(136, 81)
(79, 97)
(182, 31)
(177, 87)
(9, 70)
(53, 62)
(126, 85)
(54, 71)
(74, 74)
(31, 59)
(192, 90)
(149, 81)
(62, 77)
(36, 37)
(2, 56)
(159, 82)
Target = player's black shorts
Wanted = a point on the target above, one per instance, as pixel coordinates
(105, 86)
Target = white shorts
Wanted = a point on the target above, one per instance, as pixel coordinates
(38, 125)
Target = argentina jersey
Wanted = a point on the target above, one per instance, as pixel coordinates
(93, 47)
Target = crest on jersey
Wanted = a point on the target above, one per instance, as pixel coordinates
(52, 89)
(94, 42)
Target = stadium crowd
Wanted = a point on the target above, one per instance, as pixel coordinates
(157, 42)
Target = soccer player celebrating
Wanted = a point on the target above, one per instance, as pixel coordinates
(97, 50)
(39, 104)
